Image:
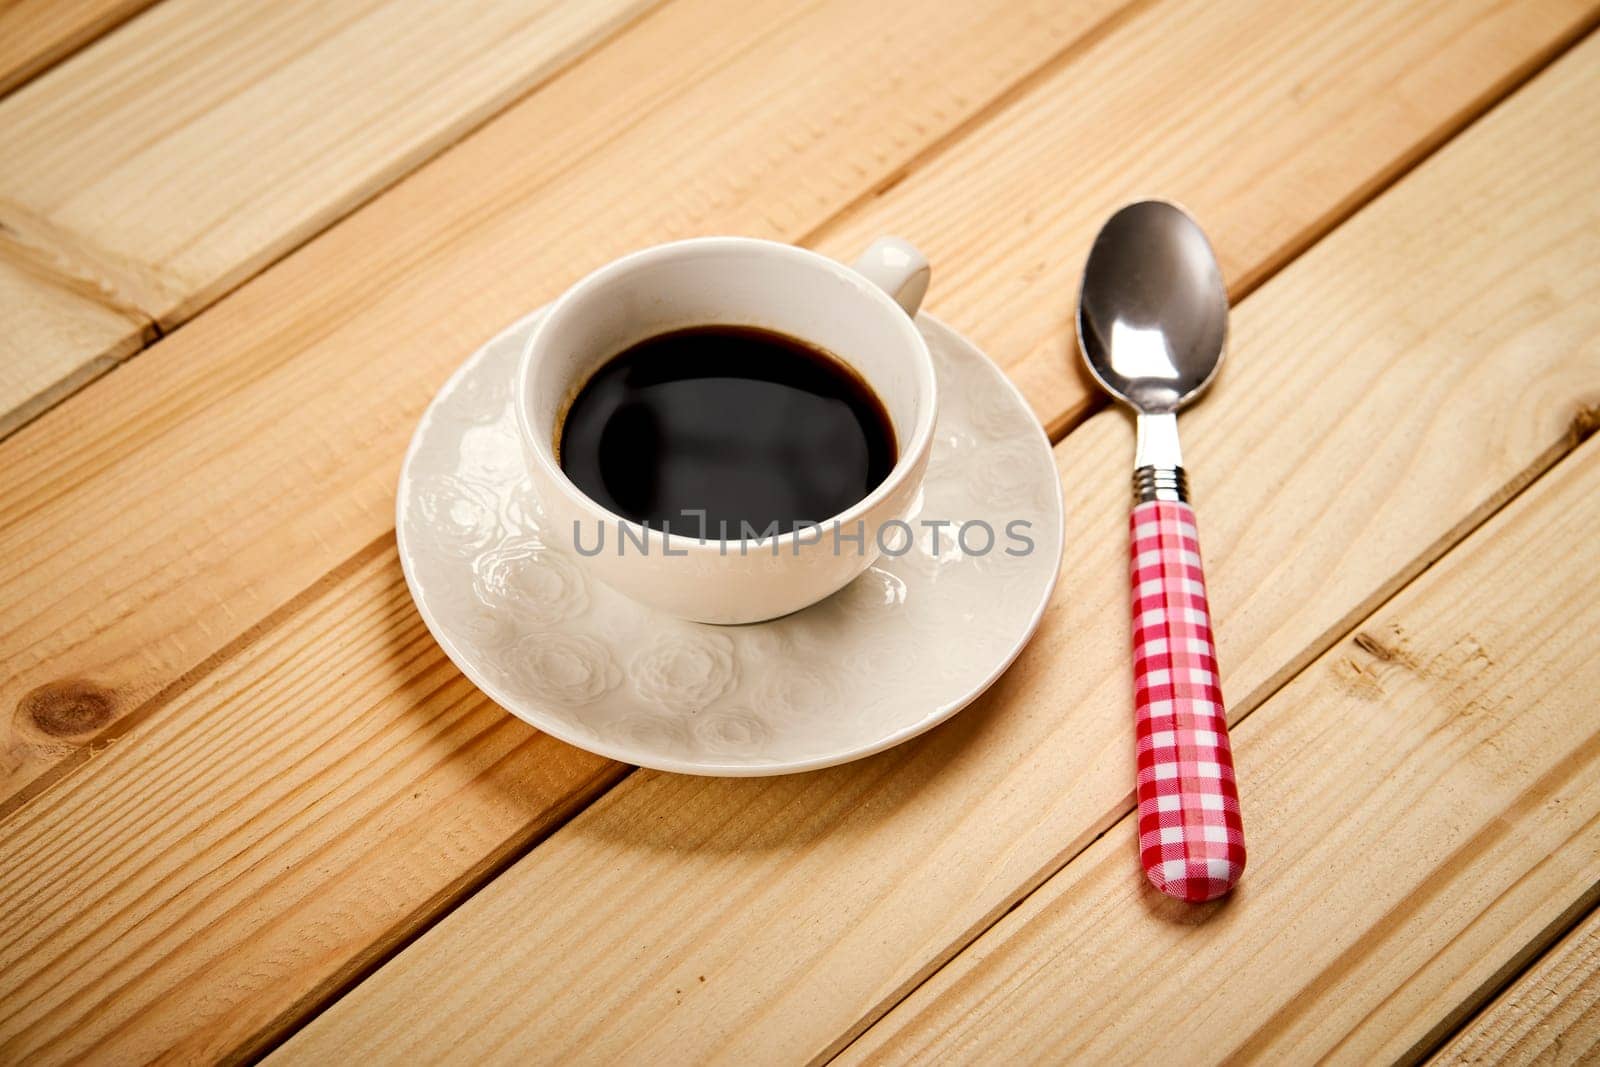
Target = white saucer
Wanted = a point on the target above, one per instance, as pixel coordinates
(901, 649)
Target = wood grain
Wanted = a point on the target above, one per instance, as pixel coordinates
(34, 34)
(1424, 802)
(227, 866)
(1381, 400)
(1550, 1015)
(161, 167)
(287, 408)
(1315, 109)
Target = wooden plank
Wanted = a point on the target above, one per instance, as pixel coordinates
(1329, 471)
(1550, 1015)
(253, 450)
(1425, 801)
(179, 155)
(229, 865)
(35, 34)
(288, 408)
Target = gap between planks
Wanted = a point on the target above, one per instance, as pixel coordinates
(1538, 951)
(196, 674)
(29, 47)
(1533, 1017)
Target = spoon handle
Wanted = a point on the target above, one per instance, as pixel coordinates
(1191, 841)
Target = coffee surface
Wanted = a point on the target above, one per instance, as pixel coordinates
(744, 425)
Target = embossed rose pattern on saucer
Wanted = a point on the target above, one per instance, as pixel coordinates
(906, 645)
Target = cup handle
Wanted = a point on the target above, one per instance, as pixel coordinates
(896, 267)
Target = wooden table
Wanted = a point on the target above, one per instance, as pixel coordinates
(247, 806)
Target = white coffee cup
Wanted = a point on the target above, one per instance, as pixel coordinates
(862, 315)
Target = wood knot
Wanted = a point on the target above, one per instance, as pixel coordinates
(1372, 646)
(67, 709)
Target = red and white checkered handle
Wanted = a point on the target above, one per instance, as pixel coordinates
(1191, 841)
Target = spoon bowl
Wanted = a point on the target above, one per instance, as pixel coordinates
(1153, 312)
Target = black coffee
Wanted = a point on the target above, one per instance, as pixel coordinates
(746, 426)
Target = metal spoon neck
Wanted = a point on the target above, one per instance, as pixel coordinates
(1158, 440)
(1158, 461)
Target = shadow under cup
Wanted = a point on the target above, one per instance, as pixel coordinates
(735, 282)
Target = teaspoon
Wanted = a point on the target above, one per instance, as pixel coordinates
(1152, 319)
